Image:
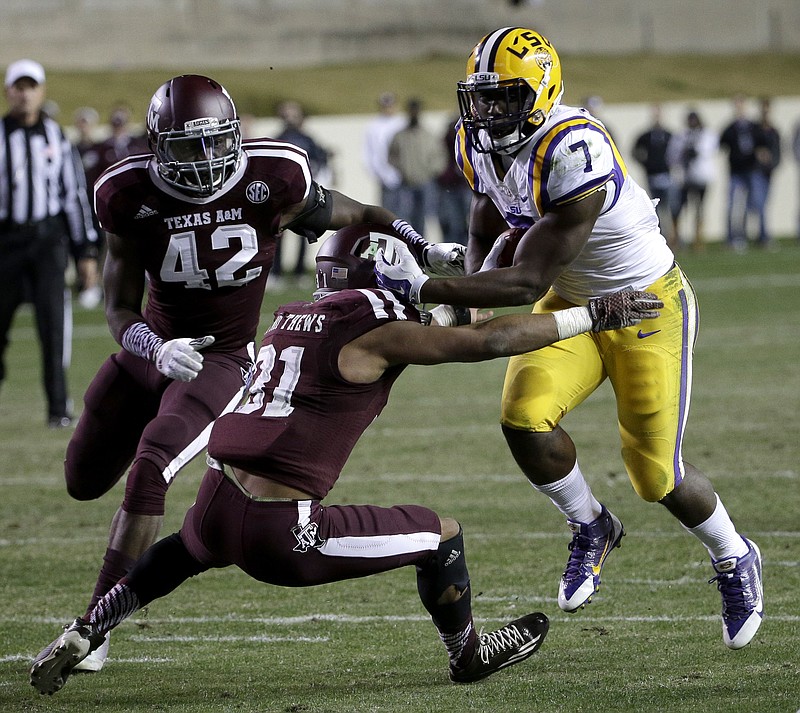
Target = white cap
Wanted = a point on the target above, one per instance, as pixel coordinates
(24, 68)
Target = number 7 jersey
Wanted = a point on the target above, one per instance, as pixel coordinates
(570, 156)
(206, 259)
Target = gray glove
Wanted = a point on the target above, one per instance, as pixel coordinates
(623, 309)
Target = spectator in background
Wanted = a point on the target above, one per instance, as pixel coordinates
(122, 142)
(85, 122)
(44, 215)
(692, 155)
(650, 150)
(454, 194)
(419, 158)
(739, 139)
(768, 156)
(379, 134)
(293, 118)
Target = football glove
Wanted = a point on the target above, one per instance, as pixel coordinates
(180, 359)
(404, 277)
(444, 259)
(623, 309)
(492, 259)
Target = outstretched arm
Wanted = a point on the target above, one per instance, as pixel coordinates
(366, 358)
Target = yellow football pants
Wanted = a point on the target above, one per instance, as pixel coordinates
(650, 369)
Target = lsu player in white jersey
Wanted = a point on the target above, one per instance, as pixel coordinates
(584, 229)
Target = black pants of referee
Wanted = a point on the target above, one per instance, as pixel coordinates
(33, 261)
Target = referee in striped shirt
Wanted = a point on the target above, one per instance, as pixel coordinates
(44, 217)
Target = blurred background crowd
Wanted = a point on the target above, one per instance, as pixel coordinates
(724, 169)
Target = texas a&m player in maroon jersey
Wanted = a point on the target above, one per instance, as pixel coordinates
(322, 375)
(193, 224)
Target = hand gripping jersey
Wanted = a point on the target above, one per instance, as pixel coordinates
(570, 156)
(300, 420)
(207, 259)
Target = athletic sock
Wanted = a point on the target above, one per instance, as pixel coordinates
(573, 497)
(460, 645)
(114, 607)
(116, 565)
(719, 535)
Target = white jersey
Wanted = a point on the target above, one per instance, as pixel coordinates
(570, 156)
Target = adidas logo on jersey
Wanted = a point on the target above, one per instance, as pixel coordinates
(145, 212)
(454, 555)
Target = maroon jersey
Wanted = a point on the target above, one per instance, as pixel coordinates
(207, 259)
(301, 419)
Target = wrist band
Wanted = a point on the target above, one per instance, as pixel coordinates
(416, 243)
(572, 321)
(416, 286)
(449, 316)
(142, 341)
(444, 315)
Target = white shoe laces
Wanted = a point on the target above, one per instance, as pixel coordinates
(497, 641)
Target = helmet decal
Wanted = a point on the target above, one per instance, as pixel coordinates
(346, 259)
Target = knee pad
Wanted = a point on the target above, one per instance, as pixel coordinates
(145, 489)
(651, 478)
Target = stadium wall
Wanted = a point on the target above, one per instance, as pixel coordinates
(344, 136)
(92, 34)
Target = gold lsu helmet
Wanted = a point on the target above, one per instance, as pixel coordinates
(513, 84)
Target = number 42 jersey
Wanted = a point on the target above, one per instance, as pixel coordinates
(206, 259)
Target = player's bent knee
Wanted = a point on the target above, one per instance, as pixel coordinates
(145, 489)
(88, 481)
(91, 467)
(651, 479)
(450, 527)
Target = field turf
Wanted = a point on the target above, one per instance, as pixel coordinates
(650, 641)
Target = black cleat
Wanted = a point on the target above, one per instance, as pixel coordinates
(507, 646)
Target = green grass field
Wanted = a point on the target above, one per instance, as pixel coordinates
(650, 641)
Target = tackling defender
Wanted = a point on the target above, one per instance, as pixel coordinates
(323, 374)
(554, 173)
(195, 223)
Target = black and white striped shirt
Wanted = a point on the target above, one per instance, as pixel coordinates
(40, 179)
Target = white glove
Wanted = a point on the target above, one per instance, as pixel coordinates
(445, 259)
(404, 277)
(180, 359)
(492, 259)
